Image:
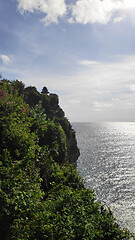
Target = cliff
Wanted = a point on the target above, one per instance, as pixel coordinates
(50, 105)
(41, 195)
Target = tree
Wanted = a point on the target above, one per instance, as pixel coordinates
(19, 86)
(54, 99)
(45, 90)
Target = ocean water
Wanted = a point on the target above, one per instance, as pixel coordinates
(107, 164)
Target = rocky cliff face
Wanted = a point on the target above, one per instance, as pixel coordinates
(72, 150)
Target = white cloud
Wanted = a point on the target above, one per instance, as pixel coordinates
(130, 4)
(130, 105)
(101, 106)
(100, 92)
(5, 59)
(97, 11)
(132, 87)
(119, 18)
(94, 11)
(81, 11)
(88, 63)
(53, 9)
(104, 91)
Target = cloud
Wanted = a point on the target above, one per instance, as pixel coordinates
(130, 4)
(88, 63)
(101, 92)
(101, 106)
(53, 9)
(132, 87)
(94, 11)
(119, 18)
(5, 59)
(101, 11)
(80, 11)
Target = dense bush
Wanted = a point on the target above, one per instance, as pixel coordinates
(50, 106)
(42, 198)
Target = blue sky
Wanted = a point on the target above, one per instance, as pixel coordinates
(83, 50)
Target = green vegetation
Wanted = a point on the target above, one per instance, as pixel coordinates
(41, 195)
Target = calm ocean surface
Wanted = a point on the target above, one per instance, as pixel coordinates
(107, 164)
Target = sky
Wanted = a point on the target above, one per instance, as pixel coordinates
(82, 50)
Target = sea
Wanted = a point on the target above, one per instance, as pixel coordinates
(107, 165)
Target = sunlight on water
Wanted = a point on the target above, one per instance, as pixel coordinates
(107, 164)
